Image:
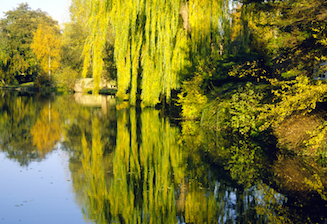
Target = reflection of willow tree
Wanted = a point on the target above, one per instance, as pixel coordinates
(148, 172)
(17, 113)
(147, 184)
(46, 131)
(141, 188)
(200, 203)
(151, 177)
(94, 174)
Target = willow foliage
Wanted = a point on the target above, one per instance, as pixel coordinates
(209, 21)
(151, 44)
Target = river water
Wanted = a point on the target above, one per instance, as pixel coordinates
(77, 159)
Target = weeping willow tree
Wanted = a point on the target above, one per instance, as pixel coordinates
(209, 21)
(152, 41)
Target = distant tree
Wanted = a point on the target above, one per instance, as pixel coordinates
(17, 29)
(46, 46)
(74, 36)
(4, 57)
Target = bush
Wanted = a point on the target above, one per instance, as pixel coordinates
(43, 80)
(65, 78)
(191, 98)
(237, 112)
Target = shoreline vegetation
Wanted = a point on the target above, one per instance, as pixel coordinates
(29, 87)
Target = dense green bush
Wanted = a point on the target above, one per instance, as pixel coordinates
(237, 112)
(65, 78)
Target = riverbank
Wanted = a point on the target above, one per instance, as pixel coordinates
(29, 87)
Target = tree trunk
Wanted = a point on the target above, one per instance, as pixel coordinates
(49, 65)
(184, 11)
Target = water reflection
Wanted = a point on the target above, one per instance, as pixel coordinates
(146, 169)
(136, 166)
(46, 132)
(158, 174)
(17, 115)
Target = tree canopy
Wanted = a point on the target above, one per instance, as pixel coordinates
(17, 30)
(46, 46)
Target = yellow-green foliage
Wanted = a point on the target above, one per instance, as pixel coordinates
(146, 34)
(65, 78)
(248, 69)
(244, 108)
(46, 46)
(317, 185)
(316, 144)
(93, 170)
(208, 23)
(238, 112)
(299, 95)
(250, 32)
(149, 39)
(319, 33)
(192, 98)
(97, 13)
(144, 171)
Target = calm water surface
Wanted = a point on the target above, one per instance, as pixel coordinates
(76, 159)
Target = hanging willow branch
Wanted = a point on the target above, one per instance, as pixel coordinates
(151, 41)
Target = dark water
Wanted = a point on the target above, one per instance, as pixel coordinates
(76, 159)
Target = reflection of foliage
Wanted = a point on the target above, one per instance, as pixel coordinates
(17, 113)
(235, 118)
(192, 134)
(297, 176)
(270, 205)
(198, 199)
(145, 174)
(155, 176)
(242, 162)
(46, 131)
(200, 209)
(94, 175)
